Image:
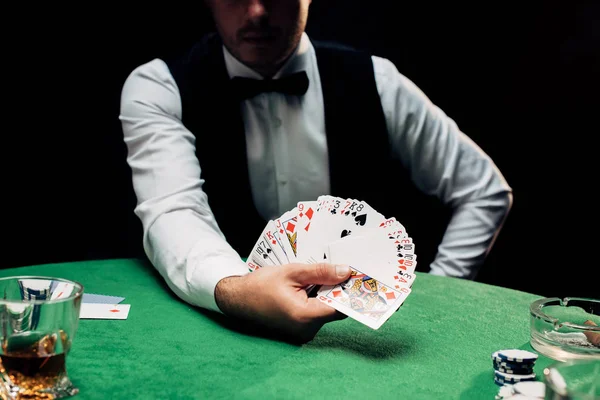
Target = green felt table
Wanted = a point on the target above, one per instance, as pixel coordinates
(438, 345)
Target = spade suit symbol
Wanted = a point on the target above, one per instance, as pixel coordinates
(345, 233)
(354, 214)
(361, 219)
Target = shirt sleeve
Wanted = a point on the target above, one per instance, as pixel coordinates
(444, 162)
(180, 234)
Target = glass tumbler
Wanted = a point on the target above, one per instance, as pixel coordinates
(39, 317)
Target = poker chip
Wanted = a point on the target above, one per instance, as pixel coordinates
(513, 368)
(515, 355)
(513, 378)
(505, 391)
(513, 364)
(531, 389)
(32, 289)
(499, 382)
(514, 371)
(502, 382)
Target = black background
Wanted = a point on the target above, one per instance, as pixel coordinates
(520, 80)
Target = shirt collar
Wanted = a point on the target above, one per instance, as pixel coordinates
(298, 61)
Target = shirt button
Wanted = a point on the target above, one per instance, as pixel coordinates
(276, 122)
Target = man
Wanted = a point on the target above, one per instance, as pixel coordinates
(209, 153)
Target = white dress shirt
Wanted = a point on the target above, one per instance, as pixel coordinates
(288, 161)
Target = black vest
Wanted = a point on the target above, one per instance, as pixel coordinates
(360, 161)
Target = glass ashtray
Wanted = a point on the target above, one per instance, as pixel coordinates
(573, 380)
(566, 329)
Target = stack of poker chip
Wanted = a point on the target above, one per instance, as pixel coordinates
(513, 366)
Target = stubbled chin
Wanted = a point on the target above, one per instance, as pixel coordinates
(258, 55)
(259, 47)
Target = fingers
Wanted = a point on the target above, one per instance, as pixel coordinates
(318, 274)
(316, 310)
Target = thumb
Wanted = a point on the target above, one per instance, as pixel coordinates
(318, 274)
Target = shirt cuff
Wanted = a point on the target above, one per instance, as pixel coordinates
(208, 271)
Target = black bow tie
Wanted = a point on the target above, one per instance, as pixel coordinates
(295, 84)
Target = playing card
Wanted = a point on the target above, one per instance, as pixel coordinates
(289, 223)
(62, 290)
(271, 233)
(104, 311)
(337, 218)
(100, 298)
(267, 251)
(306, 213)
(405, 249)
(287, 241)
(393, 226)
(364, 299)
(344, 231)
(251, 266)
(378, 257)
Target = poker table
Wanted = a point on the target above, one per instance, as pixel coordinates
(438, 344)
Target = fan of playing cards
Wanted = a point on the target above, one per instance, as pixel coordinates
(344, 231)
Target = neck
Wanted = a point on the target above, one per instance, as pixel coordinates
(269, 70)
